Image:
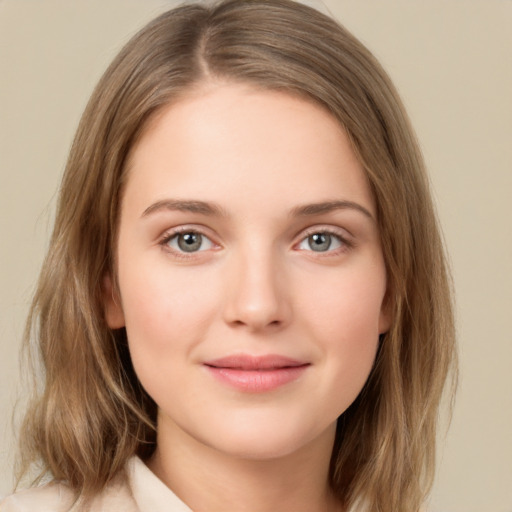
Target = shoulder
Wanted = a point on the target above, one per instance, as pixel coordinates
(49, 498)
(55, 497)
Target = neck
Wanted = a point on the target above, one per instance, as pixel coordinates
(209, 480)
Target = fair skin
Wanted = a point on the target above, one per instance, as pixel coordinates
(258, 325)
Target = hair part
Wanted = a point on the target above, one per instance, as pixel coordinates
(92, 413)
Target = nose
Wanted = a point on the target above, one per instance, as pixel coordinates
(258, 293)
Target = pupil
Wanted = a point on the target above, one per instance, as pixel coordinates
(190, 242)
(320, 241)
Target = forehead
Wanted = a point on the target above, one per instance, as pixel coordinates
(236, 141)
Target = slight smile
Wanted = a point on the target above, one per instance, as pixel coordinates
(256, 374)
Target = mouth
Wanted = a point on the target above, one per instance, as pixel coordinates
(256, 374)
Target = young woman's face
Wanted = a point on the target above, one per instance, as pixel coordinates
(250, 271)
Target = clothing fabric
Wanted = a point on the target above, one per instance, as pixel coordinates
(141, 491)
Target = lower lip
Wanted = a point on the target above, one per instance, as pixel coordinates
(257, 381)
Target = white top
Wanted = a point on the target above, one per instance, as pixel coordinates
(142, 491)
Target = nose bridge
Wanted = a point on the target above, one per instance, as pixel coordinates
(258, 288)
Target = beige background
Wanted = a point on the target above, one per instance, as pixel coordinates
(451, 60)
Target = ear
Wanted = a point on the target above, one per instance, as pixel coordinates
(386, 315)
(112, 304)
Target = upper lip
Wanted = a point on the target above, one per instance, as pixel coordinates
(248, 362)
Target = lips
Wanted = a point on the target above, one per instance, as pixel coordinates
(256, 374)
(252, 363)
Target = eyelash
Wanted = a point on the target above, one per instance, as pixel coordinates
(346, 244)
(168, 236)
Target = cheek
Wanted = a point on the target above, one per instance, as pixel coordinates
(165, 313)
(348, 305)
(345, 318)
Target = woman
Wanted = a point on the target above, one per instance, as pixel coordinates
(245, 304)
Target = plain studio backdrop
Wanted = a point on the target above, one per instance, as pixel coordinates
(452, 62)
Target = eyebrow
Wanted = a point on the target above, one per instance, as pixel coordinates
(215, 210)
(327, 207)
(202, 207)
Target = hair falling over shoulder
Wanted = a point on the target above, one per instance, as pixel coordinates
(90, 414)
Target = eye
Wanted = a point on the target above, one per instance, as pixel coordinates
(188, 242)
(322, 241)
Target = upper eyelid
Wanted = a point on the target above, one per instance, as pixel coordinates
(171, 232)
(332, 230)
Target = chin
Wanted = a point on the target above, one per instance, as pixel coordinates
(257, 449)
(266, 441)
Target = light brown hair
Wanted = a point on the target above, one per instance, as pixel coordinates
(92, 414)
